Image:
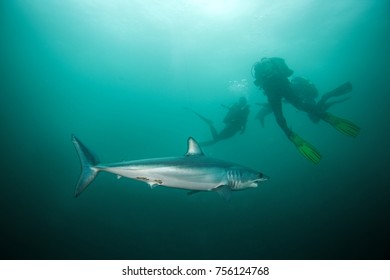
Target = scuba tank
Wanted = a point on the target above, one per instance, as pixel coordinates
(270, 68)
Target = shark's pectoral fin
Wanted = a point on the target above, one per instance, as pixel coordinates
(224, 191)
(193, 192)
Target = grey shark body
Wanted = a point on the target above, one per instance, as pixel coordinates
(194, 171)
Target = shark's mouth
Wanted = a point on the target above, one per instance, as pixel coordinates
(258, 181)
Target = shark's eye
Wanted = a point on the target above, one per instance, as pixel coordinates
(260, 175)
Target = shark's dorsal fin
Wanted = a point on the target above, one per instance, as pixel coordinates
(193, 148)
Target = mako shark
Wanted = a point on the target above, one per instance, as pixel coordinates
(194, 171)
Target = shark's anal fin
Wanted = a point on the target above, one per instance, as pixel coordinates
(154, 183)
(118, 176)
(224, 191)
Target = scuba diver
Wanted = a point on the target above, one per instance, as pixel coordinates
(235, 121)
(307, 92)
(271, 75)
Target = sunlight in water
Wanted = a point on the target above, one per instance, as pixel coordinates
(215, 8)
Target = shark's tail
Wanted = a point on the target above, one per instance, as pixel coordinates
(88, 166)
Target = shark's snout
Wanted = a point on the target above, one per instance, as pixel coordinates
(263, 177)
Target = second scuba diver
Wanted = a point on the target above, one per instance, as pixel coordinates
(235, 121)
(271, 75)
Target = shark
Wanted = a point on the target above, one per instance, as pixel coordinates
(194, 171)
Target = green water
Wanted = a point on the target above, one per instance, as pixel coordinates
(118, 74)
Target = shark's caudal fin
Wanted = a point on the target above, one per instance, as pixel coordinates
(88, 162)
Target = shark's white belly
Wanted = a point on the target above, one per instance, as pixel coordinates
(202, 179)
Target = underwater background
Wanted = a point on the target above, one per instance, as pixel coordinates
(118, 74)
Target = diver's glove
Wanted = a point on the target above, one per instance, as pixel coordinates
(344, 126)
(305, 148)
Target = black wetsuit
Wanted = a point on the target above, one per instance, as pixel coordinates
(235, 121)
(278, 87)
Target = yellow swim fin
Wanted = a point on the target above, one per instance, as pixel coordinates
(344, 126)
(305, 148)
